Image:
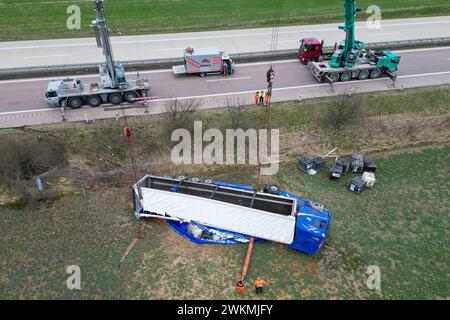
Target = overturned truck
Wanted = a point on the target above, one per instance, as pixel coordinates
(220, 212)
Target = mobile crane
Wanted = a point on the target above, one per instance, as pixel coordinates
(350, 60)
(114, 87)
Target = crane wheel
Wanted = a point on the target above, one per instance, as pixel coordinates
(334, 76)
(130, 96)
(375, 73)
(115, 98)
(363, 75)
(94, 101)
(346, 76)
(74, 102)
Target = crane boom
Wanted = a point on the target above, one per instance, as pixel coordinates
(350, 49)
(112, 73)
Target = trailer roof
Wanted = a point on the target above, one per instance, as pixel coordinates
(246, 212)
(203, 51)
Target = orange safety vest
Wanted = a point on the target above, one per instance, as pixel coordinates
(240, 288)
(259, 283)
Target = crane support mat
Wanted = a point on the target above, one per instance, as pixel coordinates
(248, 212)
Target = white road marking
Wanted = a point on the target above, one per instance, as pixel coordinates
(25, 111)
(168, 49)
(423, 49)
(252, 91)
(228, 79)
(165, 39)
(49, 56)
(304, 86)
(384, 34)
(170, 70)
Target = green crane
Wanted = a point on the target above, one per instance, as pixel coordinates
(350, 49)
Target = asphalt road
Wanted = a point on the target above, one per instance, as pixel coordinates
(84, 50)
(27, 94)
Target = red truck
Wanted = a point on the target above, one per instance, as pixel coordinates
(312, 49)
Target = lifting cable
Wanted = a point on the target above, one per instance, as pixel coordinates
(271, 74)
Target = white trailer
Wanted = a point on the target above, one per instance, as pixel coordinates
(202, 61)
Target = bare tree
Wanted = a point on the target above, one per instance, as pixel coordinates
(345, 110)
(235, 113)
(180, 113)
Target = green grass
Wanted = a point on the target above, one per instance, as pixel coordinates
(401, 225)
(39, 19)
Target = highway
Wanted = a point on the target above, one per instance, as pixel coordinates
(26, 95)
(84, 50)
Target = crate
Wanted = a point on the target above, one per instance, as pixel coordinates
(370, 166)
(319, 163)
(369, 178)
(357, 162)
(336, 172)
(345, 165)
(305, 163)
(357, 185)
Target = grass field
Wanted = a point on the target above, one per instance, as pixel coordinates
(46, 19)
(401, 225)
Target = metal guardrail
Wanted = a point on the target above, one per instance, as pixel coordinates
(166, 63)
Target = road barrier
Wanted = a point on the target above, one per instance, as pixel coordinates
(88, 68)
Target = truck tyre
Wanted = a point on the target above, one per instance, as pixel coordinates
(94, 101)
(334, 76)
(115, 98)
(317, 206)
(74, 102)
(346, 76)
(130, 96)
(363, 75)
(209, 181)
(202, 74)
(375, 73)
(272, 189)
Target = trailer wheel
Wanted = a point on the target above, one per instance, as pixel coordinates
(202, 74)
(74, 102)
(272, 189)
(209, 181)
(363, 75)
(94, 101)
(346, 76)
(334, 76)
(375, 73)
(115, 98)
(130, 96)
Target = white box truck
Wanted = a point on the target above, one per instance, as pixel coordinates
(202, 61)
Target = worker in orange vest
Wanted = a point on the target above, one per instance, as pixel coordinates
(259, 284)
(240, 287)
(266, 99)
(257, 98)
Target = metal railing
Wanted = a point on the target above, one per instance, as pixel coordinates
(84, 68)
